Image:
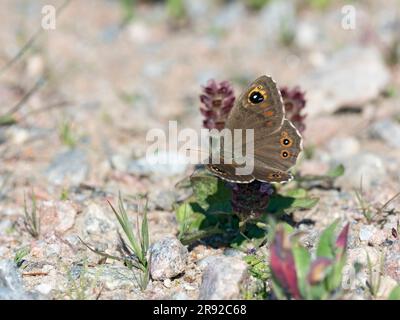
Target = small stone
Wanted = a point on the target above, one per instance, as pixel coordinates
(114, 277)
(387, 284)
(68, 167)
(230, 252)
(392, 261)
(50, 247)
(168, 258)
(351, 77)
(222, 279)
(139, 32)
(348, 147)
(278, 17)
(188, 287)
(163, 163)
(206, 261)
(197, 9)
(366, 166)
(5, 227)
(11, 286)
(162, 200)
(388, 131)
(227, 18)
(35, 66)
(58, 216)
(307, 35)
(44, 288)
(96, 221)
(366, 232)
(180, 296)
(167, 283)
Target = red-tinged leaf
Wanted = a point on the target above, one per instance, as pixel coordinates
(341, 241)
(319, 270)
(282, 263)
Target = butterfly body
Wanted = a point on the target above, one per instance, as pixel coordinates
(276, 142)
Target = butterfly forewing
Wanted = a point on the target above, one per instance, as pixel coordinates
(269, 112)
(276, 143)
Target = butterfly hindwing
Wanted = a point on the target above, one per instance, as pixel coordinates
(280, 149)
(228, 172)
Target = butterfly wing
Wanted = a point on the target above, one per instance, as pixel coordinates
(267, 111)
(265, 174)
(280, 149)
(228, 172)
(277, 143)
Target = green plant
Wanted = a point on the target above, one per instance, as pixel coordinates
(210, 211)
(374, 276)
(7, 120)
(286, 34)
(319, 4)
(296, 274)
(256, 4)
(135, 249)
(64, 194)
(176, 9)
(128, 10)
(20, 254)
(139, 243)
(67, 135)
(326, 180)
(31, 219)
(80, 287)
(255, 286)
(369, 212)
(395, 294)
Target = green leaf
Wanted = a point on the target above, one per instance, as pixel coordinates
(258, 267)
(318, 292)
(211, 193)
(189, 220)
(145, 232)
(254, 238)
(297, 193)
(304, 203)
(395, 294)
(277, 289)
(302, 261)
(334, 279)
(326, 242)
(336, 172)
(279, 204)
(7, 120)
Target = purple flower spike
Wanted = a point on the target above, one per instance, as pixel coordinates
(249, 200)
(217, 101)
(294, 102)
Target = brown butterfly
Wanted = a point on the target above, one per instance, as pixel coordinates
(277, 143)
